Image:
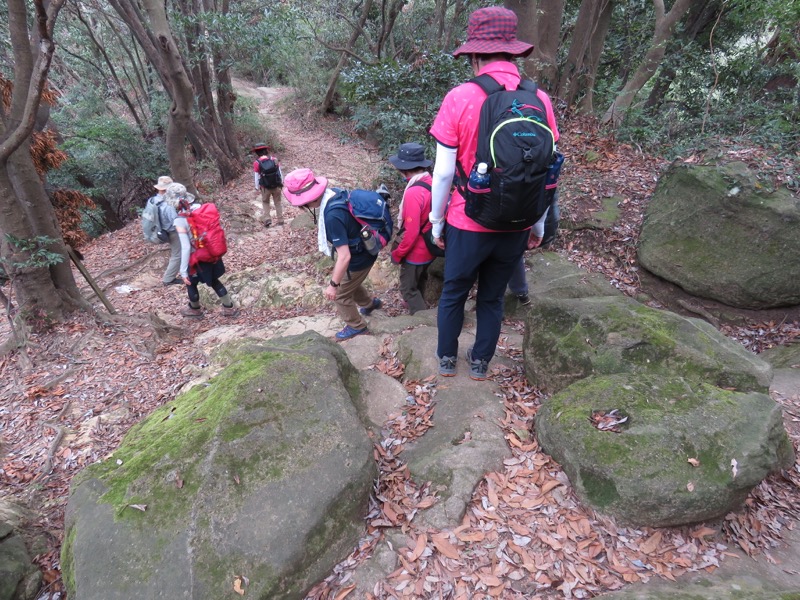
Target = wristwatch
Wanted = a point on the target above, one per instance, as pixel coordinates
(333, 284)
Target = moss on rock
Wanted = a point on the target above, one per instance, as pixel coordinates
(641, 474)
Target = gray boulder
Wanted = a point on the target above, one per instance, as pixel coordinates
(551, 276)
(642, 475)
(713, 231)
(567, 340)
(263, 472)
(466, 441)
(20, 578)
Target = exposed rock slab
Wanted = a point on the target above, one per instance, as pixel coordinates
(567, 340)
(20, 578)
(466, 441)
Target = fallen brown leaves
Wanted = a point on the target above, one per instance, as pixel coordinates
(525, 535)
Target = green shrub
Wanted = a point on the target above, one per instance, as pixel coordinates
(250, 128)
(396, 102)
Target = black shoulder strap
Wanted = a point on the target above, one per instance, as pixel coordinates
(421, 184)
(487, 83)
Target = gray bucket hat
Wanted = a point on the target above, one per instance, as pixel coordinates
(410, 156)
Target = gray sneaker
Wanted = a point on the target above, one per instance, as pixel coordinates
(477, 367)
(447, 366)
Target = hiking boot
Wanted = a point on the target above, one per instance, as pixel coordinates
(196, 313)
(447, 366)
(229, 311)
(176, 281)
(349, 332)
(523, 299)
(477, 367)
(376, 303)
(268, 223)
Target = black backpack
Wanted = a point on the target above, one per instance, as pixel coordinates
(269, 172)
(427, 234)
(517, 144)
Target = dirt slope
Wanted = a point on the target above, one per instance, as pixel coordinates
(308, 141)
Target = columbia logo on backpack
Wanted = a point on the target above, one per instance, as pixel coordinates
(518, 147)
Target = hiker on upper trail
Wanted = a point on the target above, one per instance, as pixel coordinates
(202, 247)
(165, 215)
(354, 243)
(411, 253)
(269, 180)
(501, 141)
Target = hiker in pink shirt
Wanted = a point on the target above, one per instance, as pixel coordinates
(475, 252)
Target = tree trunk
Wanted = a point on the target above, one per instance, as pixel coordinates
(701, 16)
(569, 82)
(229, 169)
(160, 47)
(540, 24)
(458, 10)
(551, 14)
(439, 14)
(327, 103)
(664, 26)
(25, 210)
(180, 113)
(593, 54)
(226, 98)
(527, 27)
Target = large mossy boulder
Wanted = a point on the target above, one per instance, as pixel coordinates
(263, 473)
(715, 232)
(567, 340)
(20, 578)
(644, 474)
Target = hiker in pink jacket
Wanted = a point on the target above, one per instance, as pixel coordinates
(412, 254)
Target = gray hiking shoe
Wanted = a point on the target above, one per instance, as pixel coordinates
(477, 367)
(229, 311)
(194, 313)
(447, 366)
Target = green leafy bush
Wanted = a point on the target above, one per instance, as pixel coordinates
(396, 102)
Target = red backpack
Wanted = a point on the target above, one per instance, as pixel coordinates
(208, 237)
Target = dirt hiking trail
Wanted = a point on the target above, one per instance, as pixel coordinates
(310, 141)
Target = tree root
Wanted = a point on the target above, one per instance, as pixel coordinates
(699, 310)
(61, 431)
(47, 467)
(129, 266)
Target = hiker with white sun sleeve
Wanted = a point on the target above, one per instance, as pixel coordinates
(268, 179)
(497, 132)
(203, 245)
